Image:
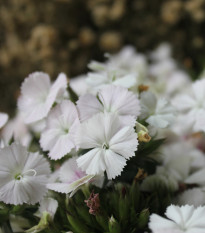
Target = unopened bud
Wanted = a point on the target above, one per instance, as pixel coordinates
(142, 132)
(143, 137)
(114, 226)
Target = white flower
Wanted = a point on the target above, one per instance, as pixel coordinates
(181, 219)
(102, 79)
(17, 130)
(196, 178)
(23, 175)
(181, 161)
(169, 85)
(3, 119)
(175, 81)
(125, 62)
(58, 136)
(126, 69)
(128, 61)
(111, 99)
(158, 113)
(71, 177)
(162, 52)
(162, 68)
(110, 142)
(79, 85)
(194, 196)
(192, 106)
(38, 95)
(48, 205)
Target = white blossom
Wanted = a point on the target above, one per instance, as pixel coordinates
(23, 175)
(193, 196)
(162, 52)
(180, 163)
(110, 144)
(97, 81)
(111, 99)
(38, 95)
(158, 112)
(48, 205)
(79, 85)
(18, 130)
(191, 106)
(61, 125)
(180, 219)
(125, 62)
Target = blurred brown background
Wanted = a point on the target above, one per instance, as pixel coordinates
(64, 35)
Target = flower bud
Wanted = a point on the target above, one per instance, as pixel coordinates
(142, 132)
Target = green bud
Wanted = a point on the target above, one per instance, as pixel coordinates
(77, 225)
(143, 218)
(124, 203)
(142, 132)
(114, 226)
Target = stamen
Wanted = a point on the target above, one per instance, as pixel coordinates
(19, 177)
(105, 146)
(30, 170)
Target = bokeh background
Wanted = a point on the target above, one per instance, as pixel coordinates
(64, 35)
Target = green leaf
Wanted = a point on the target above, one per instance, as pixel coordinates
(4, 216)
(149, 147)
(103, 221)
(135, 194)
(77, 225)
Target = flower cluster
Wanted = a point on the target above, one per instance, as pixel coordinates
(101, 130)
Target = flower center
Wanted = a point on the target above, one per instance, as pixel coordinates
(30, 172)
(105, 146)
(66, 131)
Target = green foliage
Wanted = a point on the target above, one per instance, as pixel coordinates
(123, 208)
(141, 160)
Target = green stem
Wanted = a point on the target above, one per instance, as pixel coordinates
(7, 227)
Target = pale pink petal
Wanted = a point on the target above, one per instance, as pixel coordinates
(70, 172)
(88, 105)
